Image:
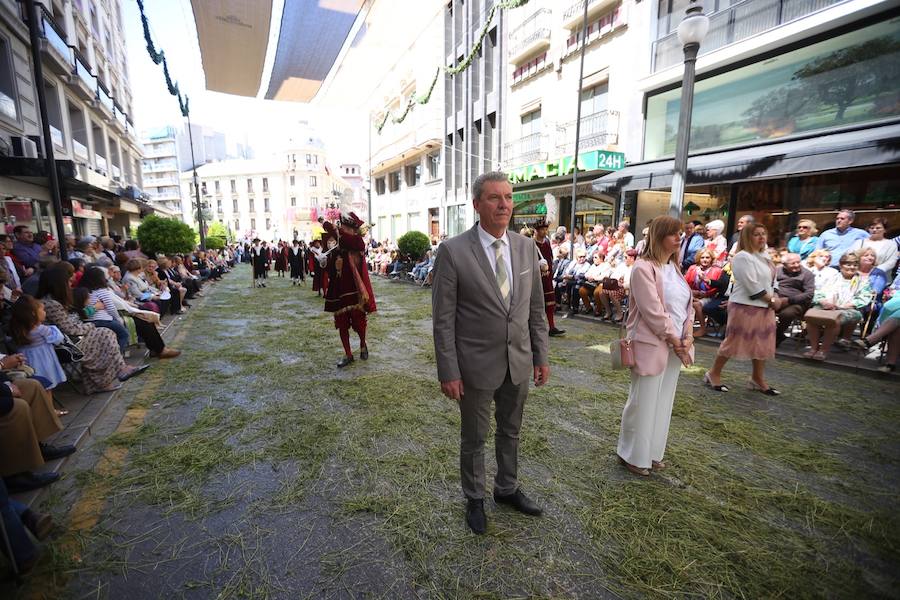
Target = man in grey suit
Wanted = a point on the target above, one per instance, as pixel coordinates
(490, 338)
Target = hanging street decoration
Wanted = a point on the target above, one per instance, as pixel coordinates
(159, 57)
(450, 70)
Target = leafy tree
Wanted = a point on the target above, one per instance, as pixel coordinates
(216, 236)
(414, 244)
(167, 236)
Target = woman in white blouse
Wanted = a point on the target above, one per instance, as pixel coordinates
(885, 249)
(716, 242)
(752, 304)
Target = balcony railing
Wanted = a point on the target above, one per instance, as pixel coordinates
(120, 115)
(79, 149)
(116, 172)
(533, 33)
(575, 12)
(54, 35)
(736, 23)
(84, 71)
(101, 162)
(104, 97)
(527, 149)
(597, 130)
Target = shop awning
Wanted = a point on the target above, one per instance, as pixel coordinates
(235, 38)
(859, 148)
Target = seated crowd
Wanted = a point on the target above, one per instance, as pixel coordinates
(76, 318)
(385, 259)
(835, 286)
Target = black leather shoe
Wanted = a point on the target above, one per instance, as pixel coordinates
(555, 332)
(344, 362)
(520, 502)
(27, 481)
(364, 354)
(475, 517)
(53, 452)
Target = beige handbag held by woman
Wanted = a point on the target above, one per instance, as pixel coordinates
(621, 351)
(822, 317)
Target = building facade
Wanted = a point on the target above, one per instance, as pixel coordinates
(474, 101)
(796, 115)
(89, 108)
(160, 167)
(275, 198)
(407, 181)
(543, 103)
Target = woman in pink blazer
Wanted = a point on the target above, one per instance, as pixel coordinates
(660, 326)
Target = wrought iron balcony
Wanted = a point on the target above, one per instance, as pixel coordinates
(527, 149)
(598, 130)
(735, 23)
(531, 36)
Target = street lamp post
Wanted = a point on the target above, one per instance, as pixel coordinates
(691, 32)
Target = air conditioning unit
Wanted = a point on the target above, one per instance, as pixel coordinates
(24, 147)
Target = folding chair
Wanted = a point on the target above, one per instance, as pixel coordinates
(9, 552)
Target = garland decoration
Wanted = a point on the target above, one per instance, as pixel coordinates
(451, 70)
(159, 57)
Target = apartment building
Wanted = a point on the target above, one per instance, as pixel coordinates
(474, 101)
(544, 97)
(274, 198)
(160, 166)
(357, 201)
(796, 114)
(89, 107)
(407, 181)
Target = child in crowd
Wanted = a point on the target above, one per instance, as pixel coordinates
(36, 340)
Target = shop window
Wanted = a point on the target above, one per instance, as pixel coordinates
(9, 100)
(846, 79)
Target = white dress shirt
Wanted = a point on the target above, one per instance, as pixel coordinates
(487, 241)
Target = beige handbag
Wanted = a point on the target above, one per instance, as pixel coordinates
(822, 317)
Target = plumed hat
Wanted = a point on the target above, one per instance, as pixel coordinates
(351, 220)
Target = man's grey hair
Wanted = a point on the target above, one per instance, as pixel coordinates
(791, 256)
(850, 214)
(479, 182)
(747, 218)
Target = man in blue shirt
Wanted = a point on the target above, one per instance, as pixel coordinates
(839, 240)
(691, 242)
(27, 251)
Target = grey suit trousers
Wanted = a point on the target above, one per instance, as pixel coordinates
(475, 409)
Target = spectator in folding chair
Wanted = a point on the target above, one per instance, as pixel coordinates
(888, 328)
(797, 285)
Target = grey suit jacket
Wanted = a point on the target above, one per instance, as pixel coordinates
(476, 338)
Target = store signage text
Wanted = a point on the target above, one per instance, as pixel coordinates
(587, 161)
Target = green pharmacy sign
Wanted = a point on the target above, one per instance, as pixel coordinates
(587, 161)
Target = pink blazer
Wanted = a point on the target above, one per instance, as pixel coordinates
(648, 322)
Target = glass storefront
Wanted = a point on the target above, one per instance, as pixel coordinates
(25, 211)
(780, 203)
(847, 79)
(589, 210)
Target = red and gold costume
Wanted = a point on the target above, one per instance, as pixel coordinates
(349, 293)
(546, 253)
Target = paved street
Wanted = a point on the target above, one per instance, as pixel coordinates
(251, 468)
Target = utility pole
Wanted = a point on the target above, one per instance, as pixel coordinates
(584, 26)
(49, 158)
(196, 187)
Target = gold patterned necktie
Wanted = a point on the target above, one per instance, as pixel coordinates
(502, 275)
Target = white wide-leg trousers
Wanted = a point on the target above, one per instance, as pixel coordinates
(645, 420)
